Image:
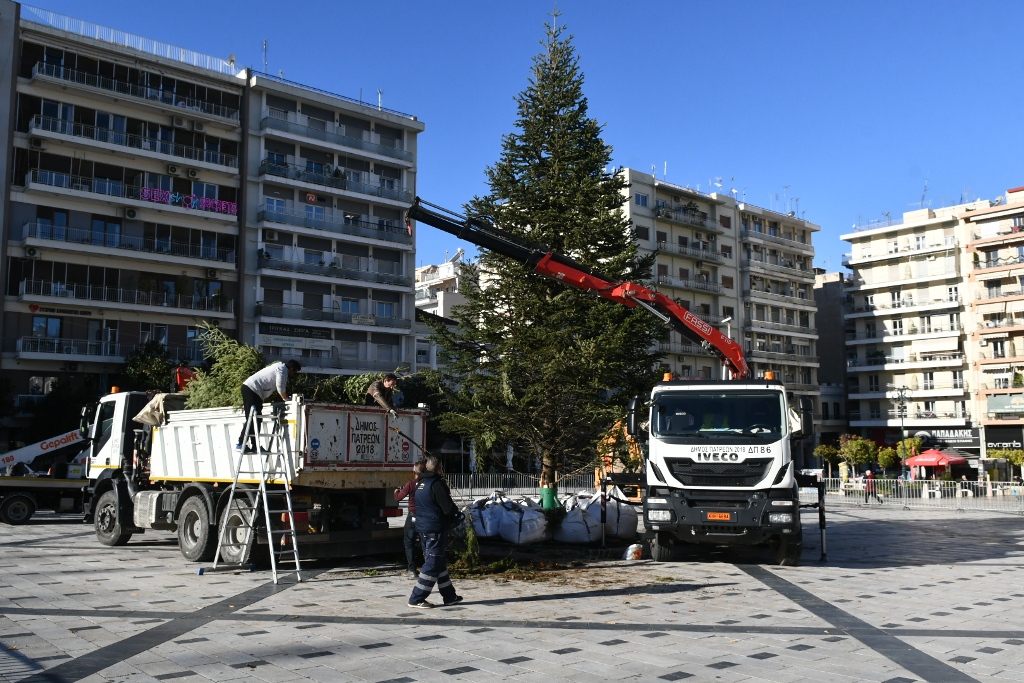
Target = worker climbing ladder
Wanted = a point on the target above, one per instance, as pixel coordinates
(273, 459)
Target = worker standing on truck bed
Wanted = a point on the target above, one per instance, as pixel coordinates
(260, 386)
(381, 391)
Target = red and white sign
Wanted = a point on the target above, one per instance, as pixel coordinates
(311, 198)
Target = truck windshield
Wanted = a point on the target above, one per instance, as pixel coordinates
(707, 414)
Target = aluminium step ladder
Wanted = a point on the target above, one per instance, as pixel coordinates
(274, 463)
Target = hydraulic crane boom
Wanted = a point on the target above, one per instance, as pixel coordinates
(564, 269)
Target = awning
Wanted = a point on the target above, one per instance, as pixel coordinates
(996, 307)
(996, 275)
(940, 344)
(996, 367)
(935, 458)
(995, 335)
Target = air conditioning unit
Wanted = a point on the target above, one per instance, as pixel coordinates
(199, 126)
(32, 252)
(681, 358)
(983, 342)
(179, 122)
(193, 173)
(270, 235)
(173, 169)
(37, 143)
(712, 238)
(69, 349)
(700, 264)
(211, 273)
(698, 235)
(131, 214)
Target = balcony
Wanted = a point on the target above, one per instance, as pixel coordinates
(691, 218)
(330, 315)
(296, 124)
(998, 262)
(345, 267)
(345, 180)
(903, 307)
(162, 200)
(913, 360)
(998, 293)
(778, 269)
(61, 292)
(776, 298)
(159, 148)
(929, 415)
(686, 349)
(754, 323)
(697, 285)
(789, 354)
(754, 235)
(337, 223)
(1003, 234)
(912, 332)
(996, 323)
(46, 348)
(693, 252)
(79, 239)
(166, 100)
(901, 252)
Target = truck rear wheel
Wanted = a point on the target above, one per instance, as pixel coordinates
(663, 547)
(17, 509)
(786, 550)
(108, 529)
(196, 538)
(235, 531)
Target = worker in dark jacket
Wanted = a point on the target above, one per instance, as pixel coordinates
(381, 391)
(435, 511)
(409, 490)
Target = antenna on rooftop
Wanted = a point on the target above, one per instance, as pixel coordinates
(924, 193)
(264, 55)
(380, 99)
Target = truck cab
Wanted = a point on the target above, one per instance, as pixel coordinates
(109, 425)
(720, 467)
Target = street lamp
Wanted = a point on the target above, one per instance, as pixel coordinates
(901, 396)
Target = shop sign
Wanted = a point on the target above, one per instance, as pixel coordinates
(59, 311)
(295, 331)
(1006, 404)
(949, 438)
(295, 342)
(1004, 437)
(363, 319)
(189, 201)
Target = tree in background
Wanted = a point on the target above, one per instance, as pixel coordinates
(857, 450)
(533, 362)
(908, 448)
(146, 368)
(828, 453)
(888, 458)
(1012, 455)
(231, 363)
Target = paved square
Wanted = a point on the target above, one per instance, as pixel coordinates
(905, 596)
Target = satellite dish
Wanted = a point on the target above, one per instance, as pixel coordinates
(231, 58)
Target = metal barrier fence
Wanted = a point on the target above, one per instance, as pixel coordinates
(990, 496)
(468, 487)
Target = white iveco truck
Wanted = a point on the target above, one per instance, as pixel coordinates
(720, 468)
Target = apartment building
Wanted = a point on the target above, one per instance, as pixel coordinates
(830, 298)
(148, 188)
(437, 286)
(911, 307)
(742, 268)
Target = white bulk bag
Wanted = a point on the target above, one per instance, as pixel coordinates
(487, 514)
(620, 517)
(522, 525)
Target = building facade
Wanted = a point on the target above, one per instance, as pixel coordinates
(147, 189)
(744, 269)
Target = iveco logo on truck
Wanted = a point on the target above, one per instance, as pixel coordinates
(717, 457)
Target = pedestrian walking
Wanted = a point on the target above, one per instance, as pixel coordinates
(869, 487)
(381, 392)
(410, 520)
(260, 386)
(435, 514)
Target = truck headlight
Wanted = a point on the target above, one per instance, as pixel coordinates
(780, 518)
(659, 515)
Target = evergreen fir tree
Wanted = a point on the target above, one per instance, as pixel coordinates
(534, 362)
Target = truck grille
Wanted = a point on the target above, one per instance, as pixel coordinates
(747, 473)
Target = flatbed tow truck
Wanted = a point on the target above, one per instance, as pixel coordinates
(58, 485)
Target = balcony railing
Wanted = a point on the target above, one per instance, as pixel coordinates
(78, 130)
(57, 233)
(689, 349)
(990, 293)
(1001, 322)
(785, 241)
(695, 219)
(907, 303)
(695, 252)
(790, 354)
(335, 223)
(698, 285)
(109, 187)
(132, 90)
(111, 351)
(1001, 232)
(778, 268)
(348, 267)
(872, 225)
(878, 360)
(336, 134)
(341, 363)
(333, 314)
(776, 296)
(911, 331)
(117, 295)
(352, 181)
(784, 327)
(929, 415)
(998, 262)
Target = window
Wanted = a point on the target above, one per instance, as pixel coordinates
(998, 348)
(105, 232)
(869, 330)
(315, 167)
(874, 410)
(45, 326)
(929, 409)
(643, 233)
(683, 241)
(273, 251)
(684, 273)
(872, 383)
(385, 309)
(726, 251)
(641, 199)
(835, 410)
(958, 379)
(208, 190)
(953, 293)
(929, 381)
(313, 256)
(897, 327)
(919, 242)
(726, 282)
(315, 213)
(52, 224)
(824, 411)
(662, 270)
(152, 332)
(869, 302)
(349, 305)
(276, 159)
(662, 238)
(728, 312)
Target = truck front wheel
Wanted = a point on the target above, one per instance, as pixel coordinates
(786, 550)
(663, 547)
(108, 529)
(196, 539)
(17, 509)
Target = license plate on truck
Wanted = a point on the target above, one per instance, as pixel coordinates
(719, 516)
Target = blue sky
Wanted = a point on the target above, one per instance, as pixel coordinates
(853, 106)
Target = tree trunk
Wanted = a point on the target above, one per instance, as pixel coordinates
(548, 487)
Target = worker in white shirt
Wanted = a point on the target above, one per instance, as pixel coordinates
(261, 386)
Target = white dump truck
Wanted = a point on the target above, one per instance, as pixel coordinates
(174, 473)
